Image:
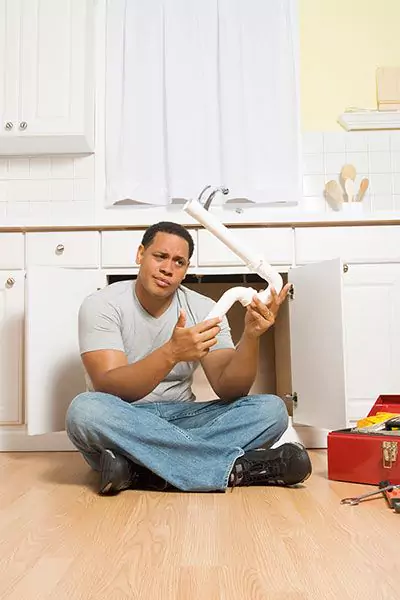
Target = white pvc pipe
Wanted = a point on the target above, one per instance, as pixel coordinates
(254, 262)
(244, 295)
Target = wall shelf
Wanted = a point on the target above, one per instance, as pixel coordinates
(369, 119)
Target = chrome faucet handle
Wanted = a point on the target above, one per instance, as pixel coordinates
(202, 192)
(210, 198)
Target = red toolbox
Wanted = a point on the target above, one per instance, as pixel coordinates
(366, 457)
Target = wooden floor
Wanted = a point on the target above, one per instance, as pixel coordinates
(60, 540)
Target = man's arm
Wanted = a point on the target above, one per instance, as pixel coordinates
(231, 373)
(110, 372)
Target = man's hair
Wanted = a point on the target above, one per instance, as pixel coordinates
(167, 227)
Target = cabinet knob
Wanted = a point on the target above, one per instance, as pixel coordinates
(345, 268)
(23, 125)
(60, 249)
(10, 282)
(8, 126)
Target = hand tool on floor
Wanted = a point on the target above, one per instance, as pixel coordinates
(392, 495)
(357, 499)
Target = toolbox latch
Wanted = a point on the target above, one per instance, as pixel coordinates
(389, 454)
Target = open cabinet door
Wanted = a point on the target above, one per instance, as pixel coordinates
(54, 373)
(317, 345)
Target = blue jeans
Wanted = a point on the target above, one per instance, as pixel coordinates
(192, 445)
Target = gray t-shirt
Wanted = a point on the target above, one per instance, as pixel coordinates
(113, 319)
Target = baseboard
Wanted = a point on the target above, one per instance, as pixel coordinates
(16, 439)
(310, 437)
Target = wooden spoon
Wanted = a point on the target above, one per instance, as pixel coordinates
(349, 187)
(334, 194)
(363, 188)
(348, 172)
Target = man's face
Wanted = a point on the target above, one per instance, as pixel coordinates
(163, 264)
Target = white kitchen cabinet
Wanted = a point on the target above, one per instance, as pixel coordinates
(361, 244)
(316, 345)
(79, 249)
(371, 335)
(54, 373)
(46, 77)
(118, 248)
(275, 244)
(344, 330)
(12, 251)
(11, 346)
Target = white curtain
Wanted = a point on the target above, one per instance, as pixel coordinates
(201, 92)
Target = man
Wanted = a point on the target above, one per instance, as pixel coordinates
(140, 343)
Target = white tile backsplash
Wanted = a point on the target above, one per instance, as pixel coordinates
(313, 184)
(62, 168)
(40, 168)
(18, 168)
(356, 141)
(83, 190)
(45, 187)
(18, 210)
(359, 160)
(39, 210)
(82, 211)
(334, 161)
(396, 162)
(380, 183)
(314, 204)
(382, 202)
(334, 142)
(313, 142)
(313, 164)
(378, 141)
(3, 168)
(62, 190)
(84, 167)
(395, 141)
(374, 154)
(64, 186)
(396, 184)
(380, 162)
(3, 192)
(39, 190)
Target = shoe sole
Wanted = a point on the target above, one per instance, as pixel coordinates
(307, 476)
(106, 461)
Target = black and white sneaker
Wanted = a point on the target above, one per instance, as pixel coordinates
(286, 465)
(117, 473)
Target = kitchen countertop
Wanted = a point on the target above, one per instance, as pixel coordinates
(230, 218)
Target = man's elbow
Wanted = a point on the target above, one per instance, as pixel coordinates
(230, 394)
(105, 383)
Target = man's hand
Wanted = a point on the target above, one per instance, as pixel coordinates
(260, 317)
(278, 299)
(193, 343)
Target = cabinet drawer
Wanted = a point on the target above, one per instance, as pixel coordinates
(11, 250)
(64, 249)
(118, 248)
(352, 244)
(275, 244)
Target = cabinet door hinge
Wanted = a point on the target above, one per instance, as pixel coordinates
(291, 397)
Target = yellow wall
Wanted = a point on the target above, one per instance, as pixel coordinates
(342, 42)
